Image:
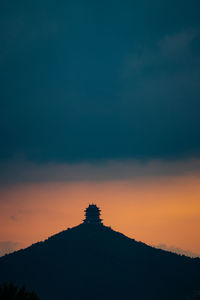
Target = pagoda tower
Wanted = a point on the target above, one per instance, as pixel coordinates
(92, 215)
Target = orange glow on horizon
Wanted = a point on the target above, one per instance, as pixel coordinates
(153, 210)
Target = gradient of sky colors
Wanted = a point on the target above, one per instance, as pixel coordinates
(100, 102)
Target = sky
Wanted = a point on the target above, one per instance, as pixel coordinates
(99, 102)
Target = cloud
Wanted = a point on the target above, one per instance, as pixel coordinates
(177, 250)
(13, 218)
(176, 50)
(8, 247)
(83, 84)
(177, 44)
(27, 172)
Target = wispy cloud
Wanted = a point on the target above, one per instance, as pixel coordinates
(177, 250)
(178, 44)
(171, 49)
(14, 218)
(8, 247)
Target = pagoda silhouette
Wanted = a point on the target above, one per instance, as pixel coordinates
(92, 215)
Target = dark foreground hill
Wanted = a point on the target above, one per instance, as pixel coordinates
(91, 261)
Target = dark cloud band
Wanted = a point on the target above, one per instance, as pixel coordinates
(27, 172)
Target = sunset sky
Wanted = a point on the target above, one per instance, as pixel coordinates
(100, 102)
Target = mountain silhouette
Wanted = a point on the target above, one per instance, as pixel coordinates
(92, 261)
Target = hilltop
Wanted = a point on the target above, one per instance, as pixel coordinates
(92, 261)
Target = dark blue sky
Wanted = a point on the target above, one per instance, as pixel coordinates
(86, 81)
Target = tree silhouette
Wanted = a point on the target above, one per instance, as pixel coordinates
(9, 291)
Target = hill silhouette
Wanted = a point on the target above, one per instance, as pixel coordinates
(92, 261)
